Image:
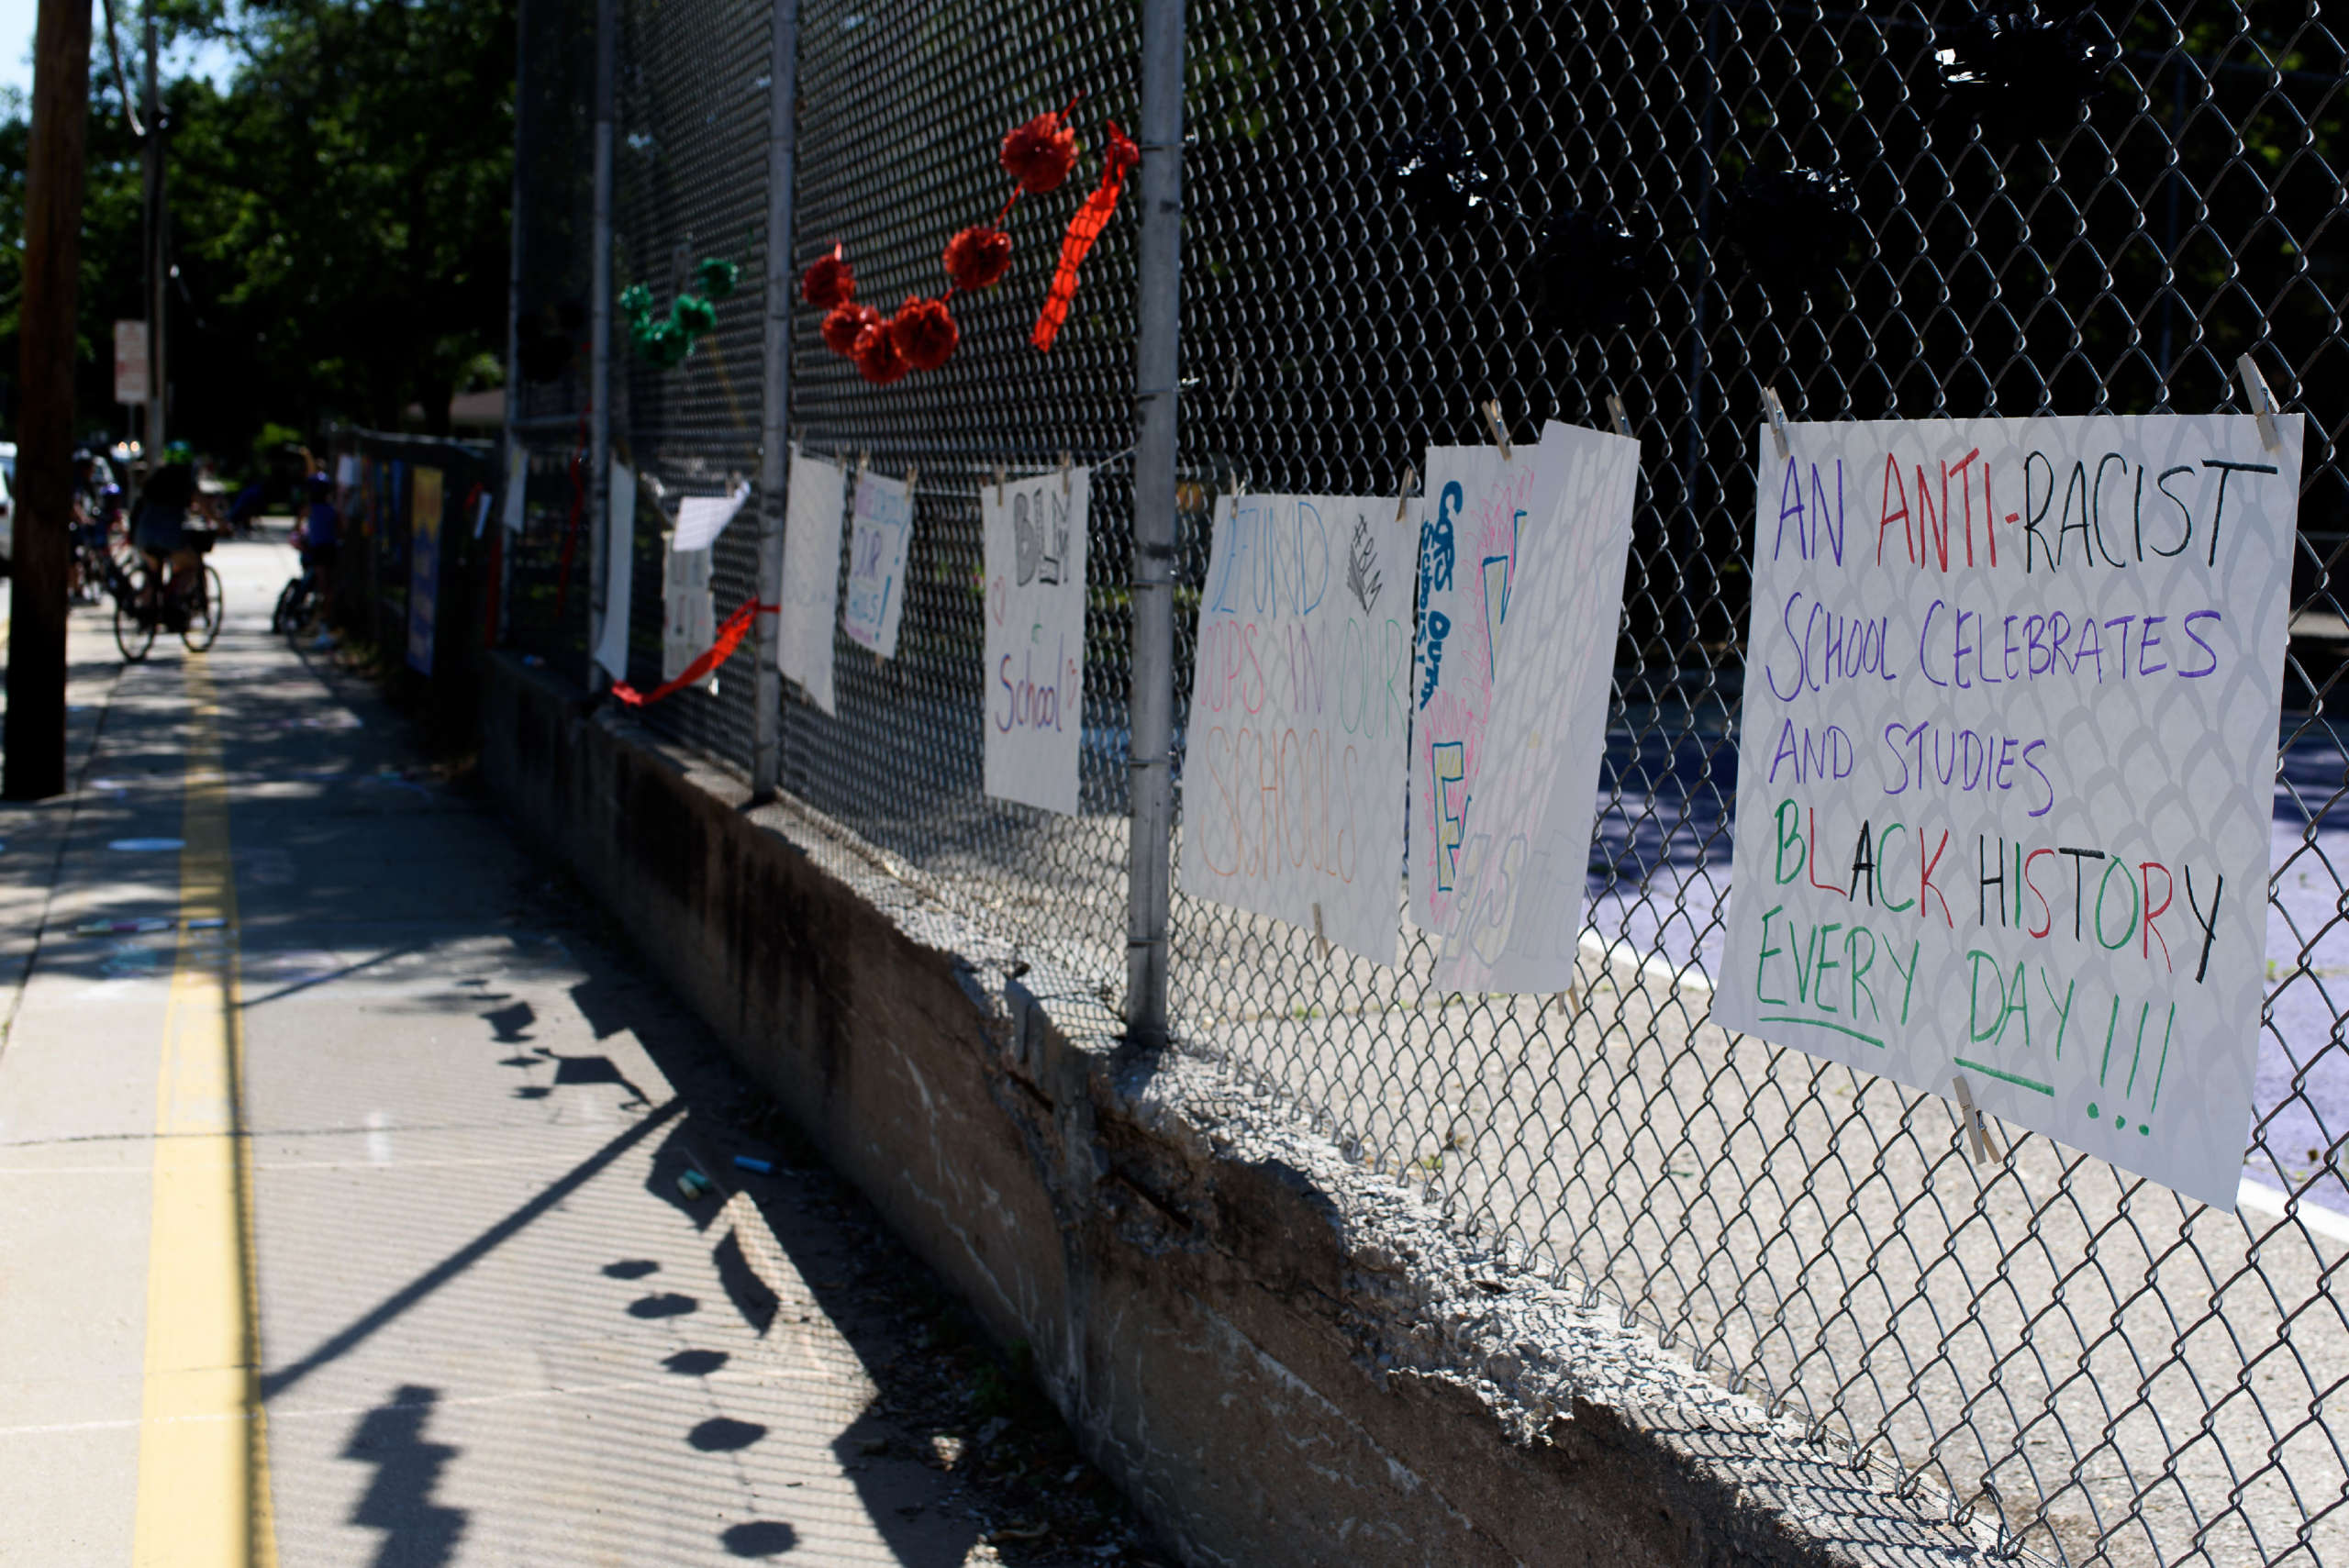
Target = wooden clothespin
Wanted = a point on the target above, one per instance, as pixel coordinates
(1491, 409)
(1403, 491)
(1978, 1125)
(1231, 481)
(1777, 411)
(913, 472)
(1622, 418)
(1320, 943)
(862, 456)
(2263, 402)
(999, 485)
(1066, 465)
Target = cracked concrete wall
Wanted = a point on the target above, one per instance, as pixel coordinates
(1281, 1357)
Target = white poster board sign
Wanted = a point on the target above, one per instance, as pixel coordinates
(688, 620)
(701, 518)
(881, 528)
(1034, 532)
(813, 502)
(619, 571)
(1474, 506)
(517, 479)
(1300, 716)
(2007, 764)
(1521, 873)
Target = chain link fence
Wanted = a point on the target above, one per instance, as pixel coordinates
(2110, 1374)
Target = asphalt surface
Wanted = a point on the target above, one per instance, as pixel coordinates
(480, 1322)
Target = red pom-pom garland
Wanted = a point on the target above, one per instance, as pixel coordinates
(877, 355)
(1040, 153)
(925, 333)
(844, 323)
(829, 284)
(978, 257)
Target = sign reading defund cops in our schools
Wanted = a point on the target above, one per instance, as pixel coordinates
(2006, 768)
(1034, 536)
(1300, 713)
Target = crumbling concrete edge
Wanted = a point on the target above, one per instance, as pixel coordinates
(1280, 1355)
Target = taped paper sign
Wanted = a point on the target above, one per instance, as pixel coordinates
(1521, 872)
(620, 574)
(1300, 716)
(1475, 506)
(423, 567)
(813, 501)
(701, 518)
(1035, 537)
(2007, 764)
(517, 478)
(688, 620)
(883, 526)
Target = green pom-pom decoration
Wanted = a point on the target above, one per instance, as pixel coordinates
(717, 276)
(636, 303)
(693, 315)
(662, 344)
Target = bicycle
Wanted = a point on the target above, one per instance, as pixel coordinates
(193, 612)
(296, 602)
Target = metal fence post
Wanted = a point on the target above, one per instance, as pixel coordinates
(599, 343)
(783, 95)
(1151, 706)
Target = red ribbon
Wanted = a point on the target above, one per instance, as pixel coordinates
(730, 637)
(1083, 230)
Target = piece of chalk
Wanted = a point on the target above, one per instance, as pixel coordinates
(693, 1184)
(745, 1163)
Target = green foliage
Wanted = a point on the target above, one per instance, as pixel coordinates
(340, 213)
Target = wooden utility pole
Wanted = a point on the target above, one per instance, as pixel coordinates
(35, 735)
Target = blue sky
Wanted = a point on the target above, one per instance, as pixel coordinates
(16, 21)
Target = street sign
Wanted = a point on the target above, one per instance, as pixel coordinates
(130, 361)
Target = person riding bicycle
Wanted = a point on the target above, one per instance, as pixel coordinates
(160, 528)
(89, 525)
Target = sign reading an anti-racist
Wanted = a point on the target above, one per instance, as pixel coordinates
(1519, 842)
(1034, 532)
(2006, 768)
(1300, 716)
(813, 501)
(879, 532)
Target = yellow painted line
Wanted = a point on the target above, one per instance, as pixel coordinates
(204, 1437)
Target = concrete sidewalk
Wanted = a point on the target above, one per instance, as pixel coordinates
(338, 1185)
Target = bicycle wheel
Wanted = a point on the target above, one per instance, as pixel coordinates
(204, 615)
(133, 633)
(286, 618)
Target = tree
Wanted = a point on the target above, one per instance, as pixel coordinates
(339, 215)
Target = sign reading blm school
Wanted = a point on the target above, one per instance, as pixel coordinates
(2007, 764)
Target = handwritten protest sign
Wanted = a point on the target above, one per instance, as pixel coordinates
(1300, 716)
(813, 501)
(1520, 841)
(881, 528)
(2005, 767)
(688, 620)
(1475, 506)
(1035, 534)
